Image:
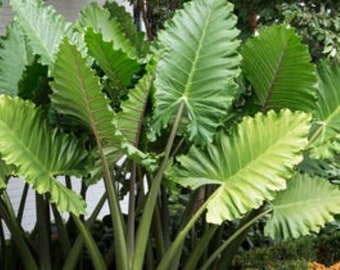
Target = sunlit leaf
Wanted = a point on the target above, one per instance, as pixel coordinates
(249, 165)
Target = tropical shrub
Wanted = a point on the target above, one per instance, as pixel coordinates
(206, 135)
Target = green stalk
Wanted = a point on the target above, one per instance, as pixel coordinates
(158, 232)
(3, 245)
(234, 236)
(144, 227)
(149, 257)
(225, 261)
(18, 238)
(116, 215)
(190, 208)
(173, 251)
(132, 213)
(202, 245)
(9, 206)
(43, 223)
(165, 218)
(74, 254)
(22, 203)
(96, 257)
(110, 254)
(63, 237)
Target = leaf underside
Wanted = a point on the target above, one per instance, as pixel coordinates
(77, 92)
(250, 165)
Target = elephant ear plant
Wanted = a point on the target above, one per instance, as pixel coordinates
(208, 136)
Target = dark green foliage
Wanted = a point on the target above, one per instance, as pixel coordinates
(292, 254)
(34, 84)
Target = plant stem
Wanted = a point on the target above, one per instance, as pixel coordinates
(116, 214)
(62, 233)
(158, 232)
(144, 227)
(3, 245)
(22, 203)
(18, 238)
(73, 256)
(132, 213)
(96, 257)
(175, 246)
(165, 218)
(232, 238)
(202, 245)
(43, 223)
(9, 206)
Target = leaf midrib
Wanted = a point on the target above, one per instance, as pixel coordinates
(85, 98)
(276, 72)
(197, 57)
(311, 201)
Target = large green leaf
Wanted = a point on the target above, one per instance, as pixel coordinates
(115, 63)
(250, 164)
(326, 135)
(14, 56)
(304, 207)
(43, 27)
(278, 67)
(40, 152)
(197, 68)
(100, 20)
(137, 38)
(77, 92)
